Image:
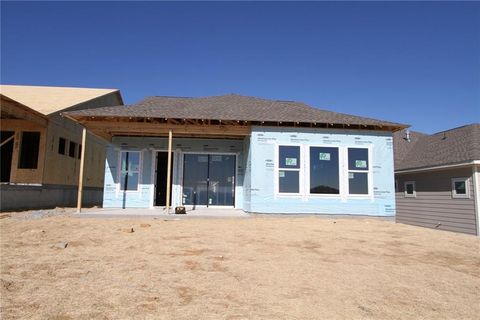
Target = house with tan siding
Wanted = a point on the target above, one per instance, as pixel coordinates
(41, 150)
(437, 179)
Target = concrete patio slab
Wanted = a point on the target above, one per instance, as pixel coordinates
(160, 213)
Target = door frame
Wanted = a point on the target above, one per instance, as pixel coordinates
(153, 176)
(13, 140)
(180, 176)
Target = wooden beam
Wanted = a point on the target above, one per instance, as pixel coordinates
(173, 121)
(199, 136)
(102, 134)
(7, 140)
(19, 111)
(106, 127)
(18, 124)
(169, 168)
(121, 128)
(192, 122)
(82, 166)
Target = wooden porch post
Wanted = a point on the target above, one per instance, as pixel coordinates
(169, 169)
(82, 165)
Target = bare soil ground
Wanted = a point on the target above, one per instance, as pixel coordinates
(257, 268)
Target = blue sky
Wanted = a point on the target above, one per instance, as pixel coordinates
(413, 62)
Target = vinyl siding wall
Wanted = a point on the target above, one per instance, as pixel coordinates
(434, 206)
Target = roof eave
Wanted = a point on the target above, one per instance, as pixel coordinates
(439, 167)
(391, 127)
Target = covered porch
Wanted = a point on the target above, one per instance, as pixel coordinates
(164, 163)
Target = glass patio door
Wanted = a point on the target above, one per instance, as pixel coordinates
(209, 179)
(195, 176)
(221, 180)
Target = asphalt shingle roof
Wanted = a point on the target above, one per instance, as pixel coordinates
(230, 107)
(453, 146)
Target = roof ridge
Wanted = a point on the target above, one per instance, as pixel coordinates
(156, 96)
(418, 132)
(57, 87)
(226, 95)
(350, 115)
(252, 97)
(456, 128)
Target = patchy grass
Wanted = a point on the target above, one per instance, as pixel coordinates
(263, 267)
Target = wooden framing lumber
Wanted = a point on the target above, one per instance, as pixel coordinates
(108, 126)
(7, 140)
(107, 129)
(82, 166)
(169, 168)
(9, 124)
(12, 109)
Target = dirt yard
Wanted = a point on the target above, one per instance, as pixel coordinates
(255, 268)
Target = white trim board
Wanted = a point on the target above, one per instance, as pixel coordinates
(447, 166)
(476, 195)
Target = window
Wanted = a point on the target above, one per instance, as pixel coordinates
(410, 190)
(358, 170)
(129, 170)
(62, 146)
(460, 188)
(289, 169)
(324, 170)
(72, 149)
(29, 150)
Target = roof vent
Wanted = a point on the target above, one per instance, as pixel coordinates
(407, 135)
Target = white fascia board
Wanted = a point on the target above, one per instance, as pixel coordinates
(448, 166)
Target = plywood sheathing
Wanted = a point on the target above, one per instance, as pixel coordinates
(47, 100)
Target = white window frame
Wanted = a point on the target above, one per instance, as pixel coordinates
(119, 171)
(467, 188)
(300, 170)
(407, 195)
(369, 172)
(341, 185)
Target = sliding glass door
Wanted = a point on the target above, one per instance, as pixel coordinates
(195, 179)
(209, 179)
(221, 180)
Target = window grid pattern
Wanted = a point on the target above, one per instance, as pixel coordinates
(129, 170)
(289, 167)
(325, 171)
(358, 171)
